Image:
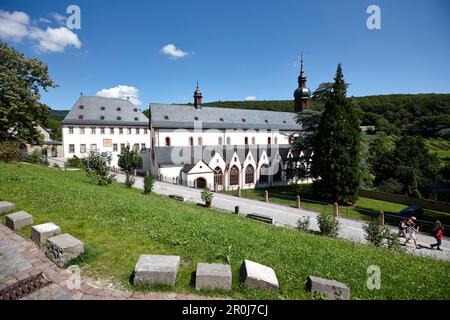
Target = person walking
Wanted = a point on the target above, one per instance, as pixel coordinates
(413, 228)
(402, 227)
(438, 232)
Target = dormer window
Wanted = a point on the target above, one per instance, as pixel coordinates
(118, 109)
(196, 118)
(284, 121)
(102, 117)
(119, 118)
(243, 120)
(81, 107)
(266, 121)
(80, 117)
(166, 117)
(136, 118)
(102, 108)
(135, 110)
(221, 119)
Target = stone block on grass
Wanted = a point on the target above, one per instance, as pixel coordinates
(63, 248)
(258, 276)
(40, 233)
(18, 220)
(331, 289)
(213, 276)
(6, 206)
(156, 269)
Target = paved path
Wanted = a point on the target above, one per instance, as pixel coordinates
(288, 216)
(20, 258)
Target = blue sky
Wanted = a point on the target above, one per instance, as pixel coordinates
(235, 49)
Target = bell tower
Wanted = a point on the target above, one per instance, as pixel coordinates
(198, 98)
(302, 93)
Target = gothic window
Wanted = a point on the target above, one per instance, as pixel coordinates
(200, 141)
(246, 140)
(218, 176)
(191, 141)
(167, 142)
(253, 140)
(249, 174)
(264, 174)
(269, 140)
(228, 140)
(234, 176)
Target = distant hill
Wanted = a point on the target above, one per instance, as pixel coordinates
(58, 114)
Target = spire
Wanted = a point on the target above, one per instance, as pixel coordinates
(302, 93)
(198, 97)
(302, 72)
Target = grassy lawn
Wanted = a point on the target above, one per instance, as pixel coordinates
(119, 224)
(285, 195)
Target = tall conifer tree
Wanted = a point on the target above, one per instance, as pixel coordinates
(336, 147)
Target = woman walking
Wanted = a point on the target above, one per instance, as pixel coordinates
(413, 228)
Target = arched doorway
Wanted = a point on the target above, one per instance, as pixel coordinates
(200, 183)
(234, 176)
(218, 176)
(249, 174)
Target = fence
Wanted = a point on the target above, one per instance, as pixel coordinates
(344, 211)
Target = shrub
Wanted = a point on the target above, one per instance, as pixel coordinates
(303, 223)
(378, 235)
(328, 224)
(148, 184)
(128, 162)
(207, 196)
(36, 157)
(74, 162)
(97, 169)
(9, 151)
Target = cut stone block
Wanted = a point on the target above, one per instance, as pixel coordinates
(258, 276)
(6, 206)
(18, 220)
(211, 276)
(330, 288)
(41, 232)
(63, 248)
(156, 269)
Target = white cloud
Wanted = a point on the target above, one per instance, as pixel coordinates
(250, 98)
(173, 52)
(13, 25)
(44, 20)
(54, 39)
(121, 92)
(59, 18)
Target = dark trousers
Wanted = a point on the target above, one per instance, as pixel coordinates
(438, 244)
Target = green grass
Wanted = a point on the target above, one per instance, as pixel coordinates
(119, 224)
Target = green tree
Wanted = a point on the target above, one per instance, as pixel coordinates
(21, 79)
(335, 162)
(128, 162)
(97, 169)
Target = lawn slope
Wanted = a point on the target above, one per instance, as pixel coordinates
(119, 224)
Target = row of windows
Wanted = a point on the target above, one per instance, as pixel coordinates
(81, 117)
(249, 175)
(115, 146)
(166, 117)
(81, 107)
(220, 141)
(111, 130)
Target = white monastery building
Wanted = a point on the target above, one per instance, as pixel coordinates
(193, 145)
(222, 148)
(105, 125)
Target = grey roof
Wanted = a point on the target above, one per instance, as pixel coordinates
(183, 116)
(190, 155)
(113, 108)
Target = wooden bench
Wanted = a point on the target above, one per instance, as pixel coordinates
(176, 197)
(260, 217)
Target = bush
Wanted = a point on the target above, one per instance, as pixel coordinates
(128, 162)
(74, 162)
(36, 157)
(9, 151)
(303, 223)
(378, 235)
(328, 224)
(97, 169)
(148, 184)
(207, 196)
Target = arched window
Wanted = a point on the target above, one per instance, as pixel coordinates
(264, 174)
(275, 140)
(269, 140)
(249, 174)
(218, 176)
(167, 141)
(200, 141)
(246, 140)
(234, 176)
(191, 141)
(253, 140)
(220, 140)
(228, 140)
